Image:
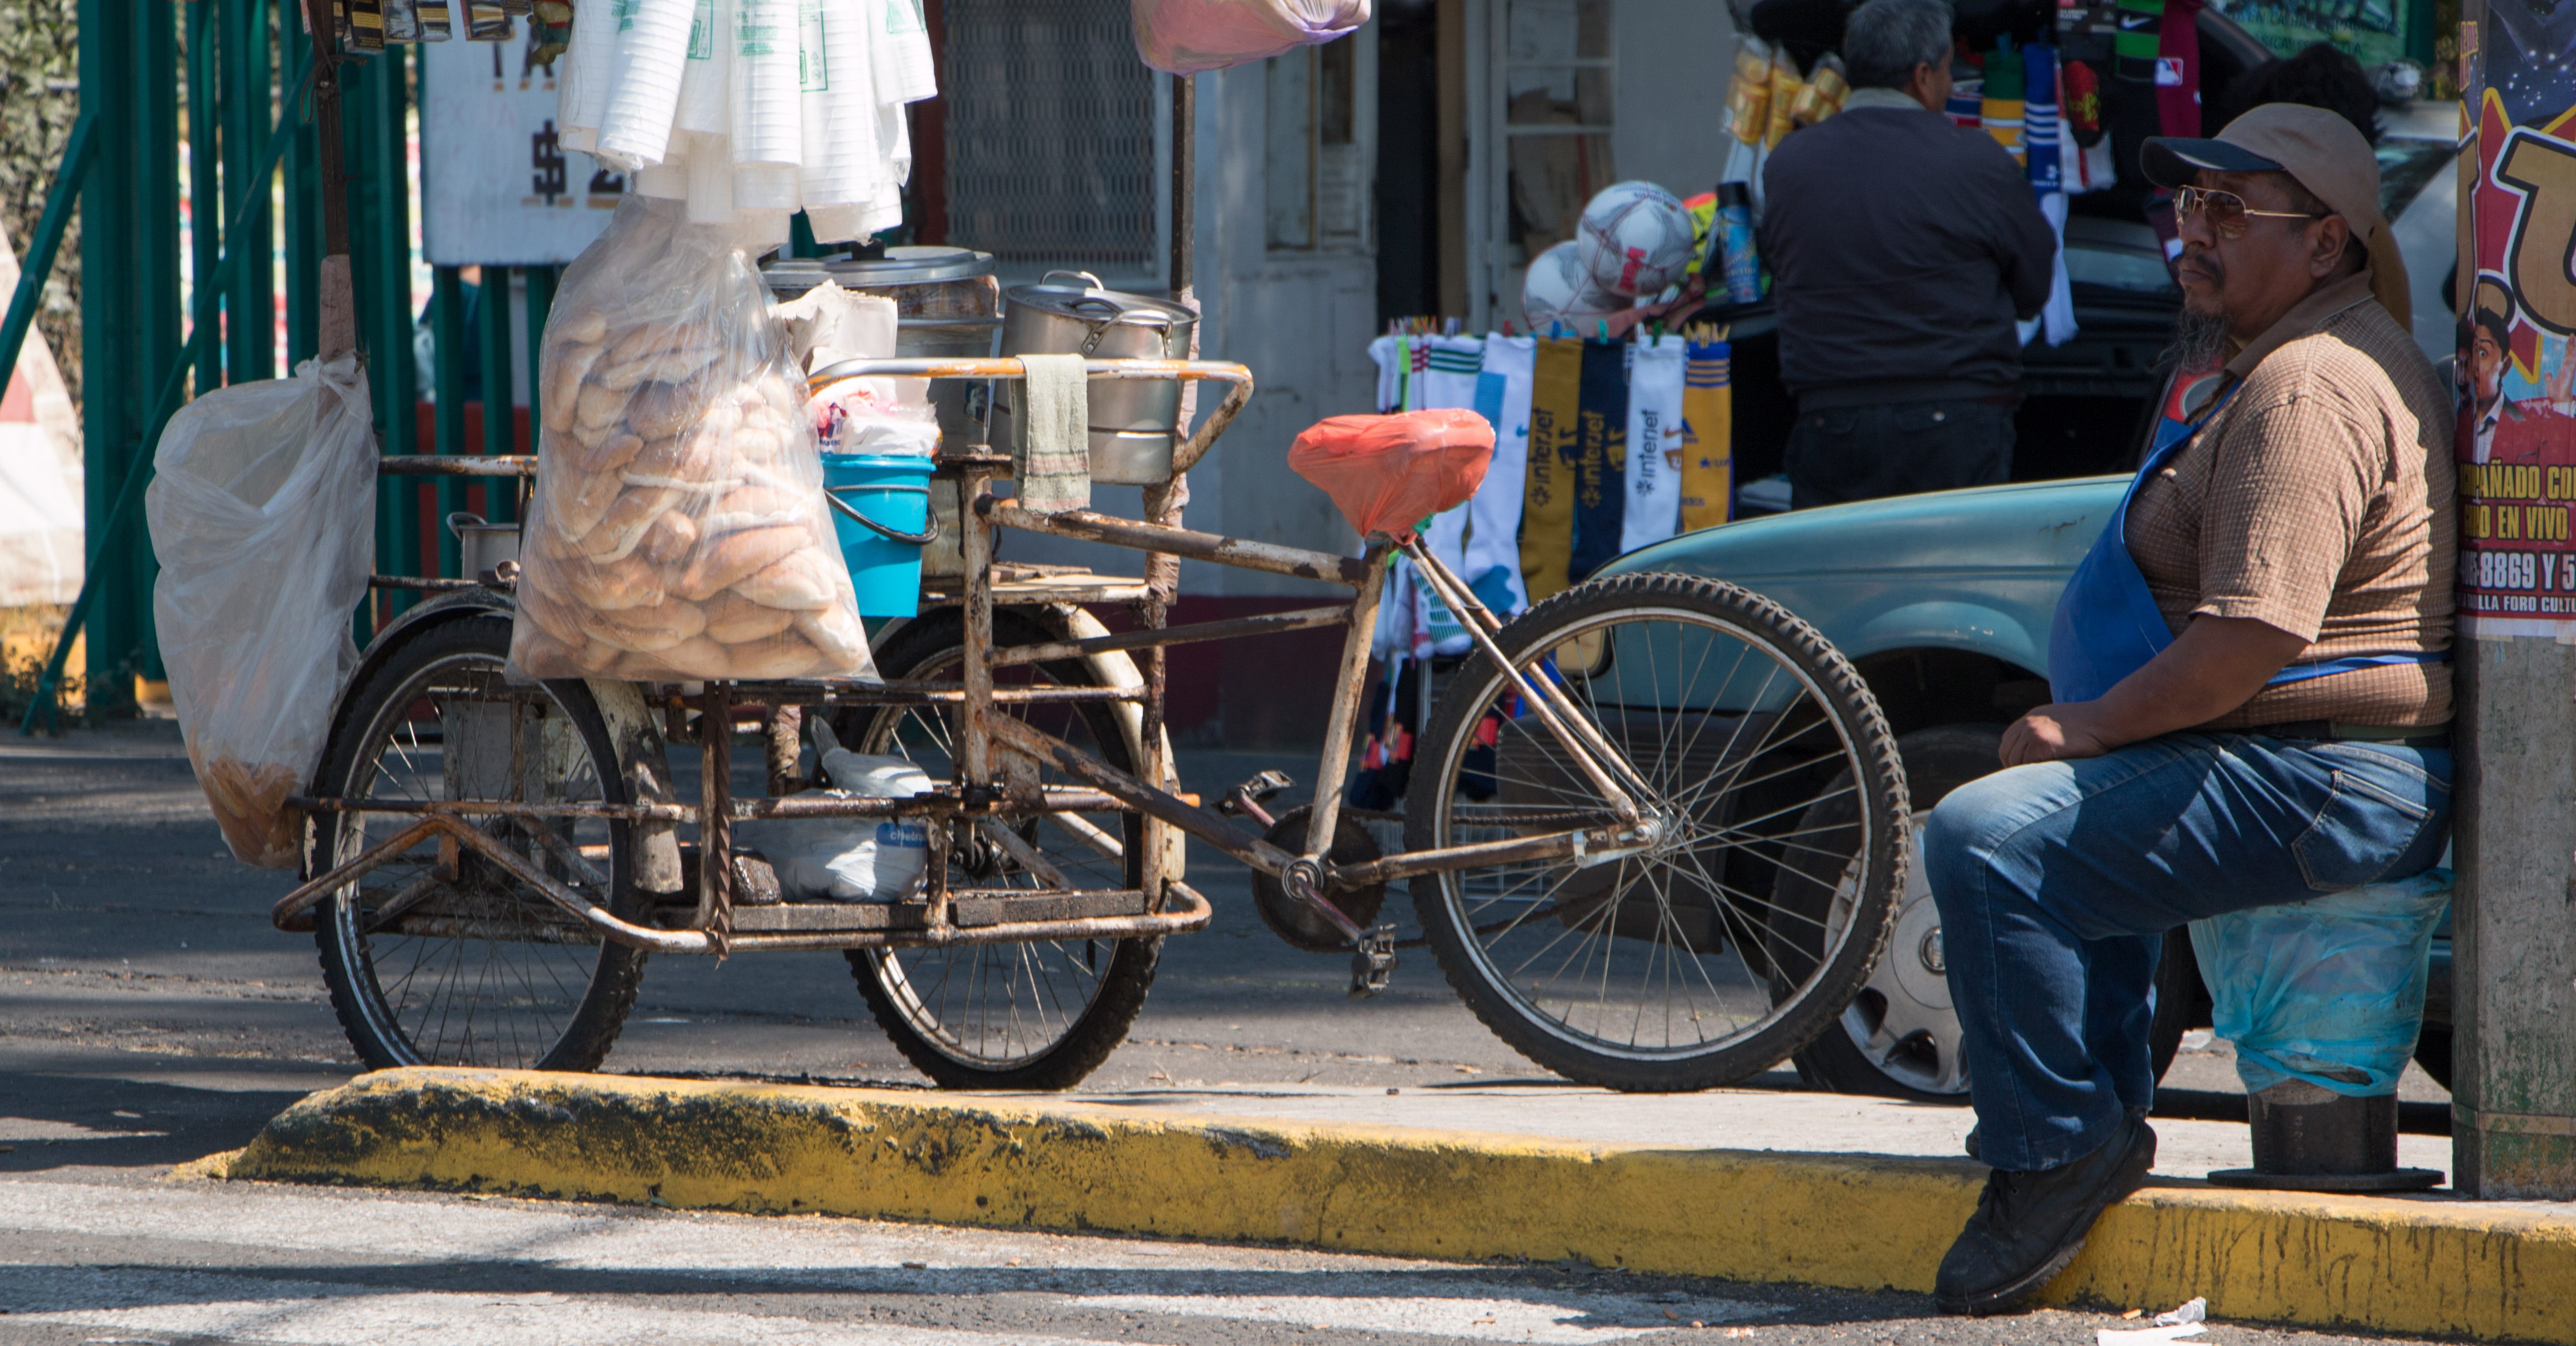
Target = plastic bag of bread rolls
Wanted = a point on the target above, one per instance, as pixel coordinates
(678, 531)
(262, 506)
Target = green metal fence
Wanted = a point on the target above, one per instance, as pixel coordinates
(227, 79)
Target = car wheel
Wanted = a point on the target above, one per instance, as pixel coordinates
(1900, 1037)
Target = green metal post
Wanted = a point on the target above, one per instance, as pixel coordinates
(157, 310)
(500, 426)
(250, 332)
(447, 329)
(380, 246)
(205, 185)
(541, 303)
(109, 427)
(303, 203)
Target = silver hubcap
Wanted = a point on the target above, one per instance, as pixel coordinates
(1902, 1019)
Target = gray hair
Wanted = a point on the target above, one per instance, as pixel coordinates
(1885, 39)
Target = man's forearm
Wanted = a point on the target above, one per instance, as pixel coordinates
(2216, 665)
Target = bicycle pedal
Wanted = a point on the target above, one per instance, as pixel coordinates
(1372, 962)
(1245, 800)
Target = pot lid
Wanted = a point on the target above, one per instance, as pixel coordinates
(1093, 304)
(914, 264)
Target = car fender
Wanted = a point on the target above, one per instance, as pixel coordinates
(1951, 625)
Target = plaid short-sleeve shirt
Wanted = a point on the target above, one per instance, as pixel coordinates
(2318, 500)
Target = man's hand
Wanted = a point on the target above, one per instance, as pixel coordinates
(2055, 732)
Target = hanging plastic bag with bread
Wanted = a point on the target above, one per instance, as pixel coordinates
(679, 530)
(263, 515)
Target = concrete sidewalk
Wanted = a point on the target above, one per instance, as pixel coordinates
(1732, 1119)
(1341, 1170)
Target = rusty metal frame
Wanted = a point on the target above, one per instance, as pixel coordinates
(1192, 914)
(993, 751)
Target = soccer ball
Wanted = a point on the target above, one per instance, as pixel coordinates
(1559, 289)
(1636, 238)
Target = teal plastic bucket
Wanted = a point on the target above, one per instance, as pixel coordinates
(892, 492)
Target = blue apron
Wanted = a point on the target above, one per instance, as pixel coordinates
(2108, 626)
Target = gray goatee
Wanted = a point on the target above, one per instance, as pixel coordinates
(2199, 339)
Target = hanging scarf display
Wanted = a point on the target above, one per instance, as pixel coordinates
(1654, 470)
(2001, 111)
(1600, 462)
(1494, 515)
(1708, 435)
(1547, 516)
(2178, 68)
(2042, 137)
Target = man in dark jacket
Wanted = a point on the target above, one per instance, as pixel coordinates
(1902, 247)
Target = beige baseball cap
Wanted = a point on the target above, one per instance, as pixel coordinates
(2322, 151)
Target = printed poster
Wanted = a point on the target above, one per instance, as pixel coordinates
(2517, 301)
(497, 186)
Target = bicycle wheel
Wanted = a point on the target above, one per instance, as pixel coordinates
(1039, 1014)
(438, 957)
(1661, 969)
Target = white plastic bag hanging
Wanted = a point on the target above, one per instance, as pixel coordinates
(1184, 37)
(679, 529)
(262, 508)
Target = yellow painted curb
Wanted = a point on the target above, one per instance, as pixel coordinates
(2424, 1266)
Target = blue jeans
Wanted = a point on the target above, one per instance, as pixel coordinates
(2056, 882)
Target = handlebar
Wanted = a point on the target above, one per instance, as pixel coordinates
(1185, 455)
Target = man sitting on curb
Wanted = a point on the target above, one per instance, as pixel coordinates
(2250, 678)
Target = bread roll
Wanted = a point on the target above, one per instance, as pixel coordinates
(616, 535)
(801, 581)
(661, 410)
(647, 629)
(755, 507)
(668, 540)
(610, 452)
(599, 406)
(836, 632)
(698, 657)
(758, 444)
(787, 655)
(576, 501)
(550, 617)
(734, 619)
(735, 557)
(609, 588)
(686, 460)
(589, 326)
(566, 367)
(648, 339)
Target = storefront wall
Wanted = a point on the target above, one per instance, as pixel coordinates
(1551, 85)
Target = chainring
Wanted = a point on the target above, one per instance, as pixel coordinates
(1302, 926)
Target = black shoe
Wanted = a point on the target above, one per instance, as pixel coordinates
(2028, 1226)
(1970, 1144)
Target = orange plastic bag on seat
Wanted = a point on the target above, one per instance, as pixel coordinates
(1388, 473)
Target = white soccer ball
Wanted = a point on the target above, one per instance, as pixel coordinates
(1559, 289)
(1636, 238)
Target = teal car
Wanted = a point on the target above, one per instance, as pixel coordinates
(1943, 602)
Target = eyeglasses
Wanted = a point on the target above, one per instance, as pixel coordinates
(2227, 210)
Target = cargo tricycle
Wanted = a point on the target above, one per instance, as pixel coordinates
(1654, 830)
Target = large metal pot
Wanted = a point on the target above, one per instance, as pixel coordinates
(946, 303)
(1132, 422)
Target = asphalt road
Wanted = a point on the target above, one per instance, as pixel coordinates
(149, 1016)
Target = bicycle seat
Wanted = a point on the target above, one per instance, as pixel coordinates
(1389, 473)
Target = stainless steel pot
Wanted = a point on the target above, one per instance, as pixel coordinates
(1132, 422)
(483, 546)
(946, 303)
